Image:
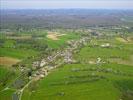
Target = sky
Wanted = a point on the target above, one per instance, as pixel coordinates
(66, 4)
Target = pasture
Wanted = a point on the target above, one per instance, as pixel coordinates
(77, 81)
(23, 48)
(109, 79)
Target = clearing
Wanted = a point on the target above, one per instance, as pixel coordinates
(8, 61)
(54, 35)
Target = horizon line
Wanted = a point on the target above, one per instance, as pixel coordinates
(65, 8)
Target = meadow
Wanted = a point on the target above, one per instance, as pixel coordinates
(21, 48)
(109, 79)
(90, 82)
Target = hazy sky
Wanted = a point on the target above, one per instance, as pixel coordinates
(56, 4)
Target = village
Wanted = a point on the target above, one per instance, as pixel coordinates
(70, 53)
(56, 59)
(64, 57)
(44, 66)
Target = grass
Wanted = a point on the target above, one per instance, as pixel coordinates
(104, 53)
(94, 50)
(6, 95)
(3, 71)
(7, 77)
(18, 48)
(17, 53)
(9, 43)
(25, 49)
(60, 86)
(83, 81)
(62, 40)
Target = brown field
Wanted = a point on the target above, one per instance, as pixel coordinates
(129, 40)
(121, 61)
(54, 35)
(121, 39)
(20, 37)
(8, 61)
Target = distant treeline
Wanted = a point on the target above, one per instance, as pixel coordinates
(71, 18)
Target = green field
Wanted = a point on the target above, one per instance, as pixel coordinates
(109, 79)
(79, 81)
(83, 81)
(17, 53)
(61, 42)
(117, 50)
(24, 46)
(7, 76)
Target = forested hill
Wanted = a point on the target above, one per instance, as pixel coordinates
(64, 18)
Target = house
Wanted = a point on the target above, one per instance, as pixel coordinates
(105, 45)
(42, 63)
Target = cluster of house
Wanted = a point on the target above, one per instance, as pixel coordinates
(76, 44)
(44, 66)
